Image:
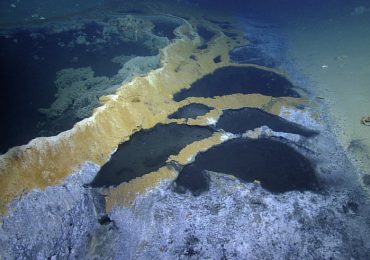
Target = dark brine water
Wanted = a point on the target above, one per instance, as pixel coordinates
(277, 166)
(29, 61)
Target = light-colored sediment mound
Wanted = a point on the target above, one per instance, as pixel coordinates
(139, 104)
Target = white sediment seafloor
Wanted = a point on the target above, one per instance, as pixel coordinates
(302, 117)
(226, 220)
(64, 215)
(212, 121)
(265, 131)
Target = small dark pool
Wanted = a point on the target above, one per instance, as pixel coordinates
(223, 24)
(190, 111)
(165, 27)
(251, 54)
(245, 80)
(205, 34)
(147, 151)
(238, 121)
(231, 35)
(217, 59)
(276, 165)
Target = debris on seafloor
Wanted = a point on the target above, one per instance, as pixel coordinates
(365, 120)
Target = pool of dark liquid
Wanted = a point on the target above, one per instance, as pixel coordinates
(251, 54)
(223, 24)
(165, 26)
(217, 59)
(231, 35)
(190, 111)
(245, 80)
(29, 61)
(205, 34)
(277, 166)
(147, 151)
(238, 121)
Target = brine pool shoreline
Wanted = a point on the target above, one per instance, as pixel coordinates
(160, 223)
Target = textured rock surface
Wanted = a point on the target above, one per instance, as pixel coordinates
(238, 221)
(232, 220)
(58, 221)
